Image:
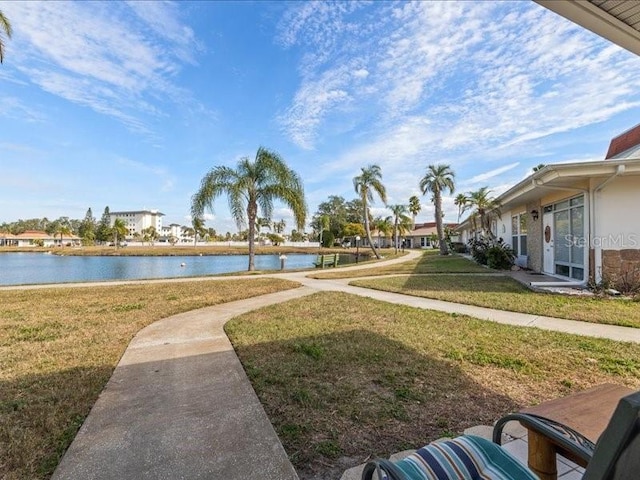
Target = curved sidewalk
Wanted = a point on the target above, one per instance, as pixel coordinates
(179, 404)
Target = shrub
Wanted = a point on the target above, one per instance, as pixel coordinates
(494, 253)
(458, 247)
(327, 238)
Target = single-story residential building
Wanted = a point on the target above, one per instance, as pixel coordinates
(31, 238)
(422, 234)
(576, 221)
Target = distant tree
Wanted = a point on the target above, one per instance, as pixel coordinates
(332, 211)
(275, 239)
(5, 26)
(414, 208)
(401, 222)
(103, 232)
(384, 226)
(296, 236)
(365, 184)
(119, 231)
(462, 202)
(279, 226)
(62, 228)
(199, 229)
(327, 239)
(436, 180)
(150, 234)
(540, 166)
(87, 228)
(250, 187)
(354, 230)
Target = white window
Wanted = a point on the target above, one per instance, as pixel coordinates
(519, 234)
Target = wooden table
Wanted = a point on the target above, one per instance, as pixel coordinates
(587, 412)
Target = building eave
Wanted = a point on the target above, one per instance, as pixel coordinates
(616, 21)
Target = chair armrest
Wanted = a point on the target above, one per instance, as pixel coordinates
(569, 439)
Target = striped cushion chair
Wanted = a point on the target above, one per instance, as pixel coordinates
(616, 455)
(464, 458)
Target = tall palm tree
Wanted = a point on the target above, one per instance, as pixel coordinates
(436, 180)
(400, 221)
(5, 26)
(365, 184)
(485, 208)
(119, 230)
(253, 185)
(462, 202)
(414, 208)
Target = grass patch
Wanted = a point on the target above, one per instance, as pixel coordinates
(429, 262)
(504, 293)
(392, 377)
(59, 346)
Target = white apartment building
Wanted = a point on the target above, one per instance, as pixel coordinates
(173, 230)
(137, 221)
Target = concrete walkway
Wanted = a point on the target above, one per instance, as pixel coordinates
(179, 405)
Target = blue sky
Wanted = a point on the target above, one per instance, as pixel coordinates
(130, 104)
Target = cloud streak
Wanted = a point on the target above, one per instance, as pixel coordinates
(102, 57)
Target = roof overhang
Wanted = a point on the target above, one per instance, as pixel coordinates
(618, 22)
(565, 176)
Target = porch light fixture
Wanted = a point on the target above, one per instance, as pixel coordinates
(534, 215)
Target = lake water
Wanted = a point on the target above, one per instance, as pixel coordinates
(38, 268)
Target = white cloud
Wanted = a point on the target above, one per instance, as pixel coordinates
(462, 83)
(102, 57)
(483, 177)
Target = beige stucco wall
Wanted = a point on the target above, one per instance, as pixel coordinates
(616, 240)
(534, 238)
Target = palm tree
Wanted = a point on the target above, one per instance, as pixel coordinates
(400, 221)
(150, 235)
(485, 207)
(462, 202)
(383, 226)
(369, 181)
(5, 26)
(414, 208)
(62, 230)
(198, 229)
(437, 179)
(253, 185)
(119, 230)
(280, 226)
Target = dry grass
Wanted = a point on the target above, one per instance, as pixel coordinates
(58, 348)
(344, 377)
(504, 293)
(429, 262)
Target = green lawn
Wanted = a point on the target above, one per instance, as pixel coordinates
(344, 377)
(429, 262)
(504, 293)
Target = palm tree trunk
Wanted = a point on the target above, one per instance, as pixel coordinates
(444, 250)
(368, 231)
(395, 234)
(252, 213)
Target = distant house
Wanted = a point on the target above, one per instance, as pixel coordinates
(137, 221)
(576, 221)
(32, 238)
(423, 234)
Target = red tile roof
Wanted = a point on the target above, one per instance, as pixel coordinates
(624, 142)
